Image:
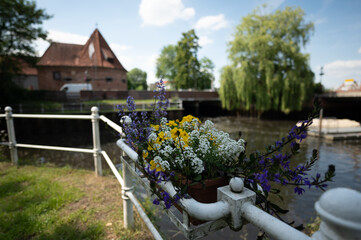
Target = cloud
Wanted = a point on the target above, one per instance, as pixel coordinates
(213, 23)
(204, 40)
(338, 71)
(146, 63)
(65, 37)
(163, 12)
(359, 51)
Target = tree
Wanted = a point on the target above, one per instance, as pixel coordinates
(165, 64)
(188, 68)
(20, 25)
(137, 79)
(271, 73)
(206, 71)
(186, 61)
(179, 64)
(228, 92)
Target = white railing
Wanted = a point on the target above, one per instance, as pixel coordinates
(81, 107)
(339, 209)
(128, 197)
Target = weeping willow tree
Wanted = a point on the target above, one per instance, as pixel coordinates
(228, 91)
(269, 70)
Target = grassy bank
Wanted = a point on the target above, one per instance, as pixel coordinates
(46, 202)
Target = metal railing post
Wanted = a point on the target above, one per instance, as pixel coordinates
(128, 217)
(340, 212)
(180, 104)
(96, 142)
(320, 123)
(11, 135)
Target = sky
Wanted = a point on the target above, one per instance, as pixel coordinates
(137, 30)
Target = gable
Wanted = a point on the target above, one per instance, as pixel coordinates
(95, 53)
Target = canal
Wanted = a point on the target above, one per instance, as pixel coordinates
(345, 155)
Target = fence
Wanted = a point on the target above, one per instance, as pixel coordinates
(128, 197)
(82, 107)
(339, 208)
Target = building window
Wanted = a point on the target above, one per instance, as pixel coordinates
(56, 75)
(109, 79)
(68, 79)
(124, 81)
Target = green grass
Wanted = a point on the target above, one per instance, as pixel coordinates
(46, 202)
(47, 104)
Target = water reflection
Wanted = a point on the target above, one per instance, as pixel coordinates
(345, 155)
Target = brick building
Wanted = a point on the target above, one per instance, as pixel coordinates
(93, 63)
(28, 75)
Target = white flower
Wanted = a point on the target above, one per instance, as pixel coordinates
(152, 137)
(163, 121)
(156, 146)
(161, 162)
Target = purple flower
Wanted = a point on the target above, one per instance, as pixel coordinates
(156, 201)
(299, 190)
(166, 199)
(307, 182)
(263, 180)
(293, 144)
(278, 145)
(277, 178)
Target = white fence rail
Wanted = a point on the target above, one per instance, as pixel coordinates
(81, 107)
(128, 197)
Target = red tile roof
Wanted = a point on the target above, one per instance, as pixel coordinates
(95, 53)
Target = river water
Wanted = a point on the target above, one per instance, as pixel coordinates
(345, 155)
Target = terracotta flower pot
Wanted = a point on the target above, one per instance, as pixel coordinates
(204, 194)
(208, 193)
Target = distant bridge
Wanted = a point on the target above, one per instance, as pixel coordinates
(348, 94)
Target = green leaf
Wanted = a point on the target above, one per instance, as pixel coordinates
(278, 209)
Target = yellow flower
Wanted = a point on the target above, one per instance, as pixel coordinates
(184, 135)
(189, 118)
(172, 123)
(154, 165)
(145, 154)
(179, 134)
(162, 136)
(156, 127)
(174, 133)
(150, 148)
